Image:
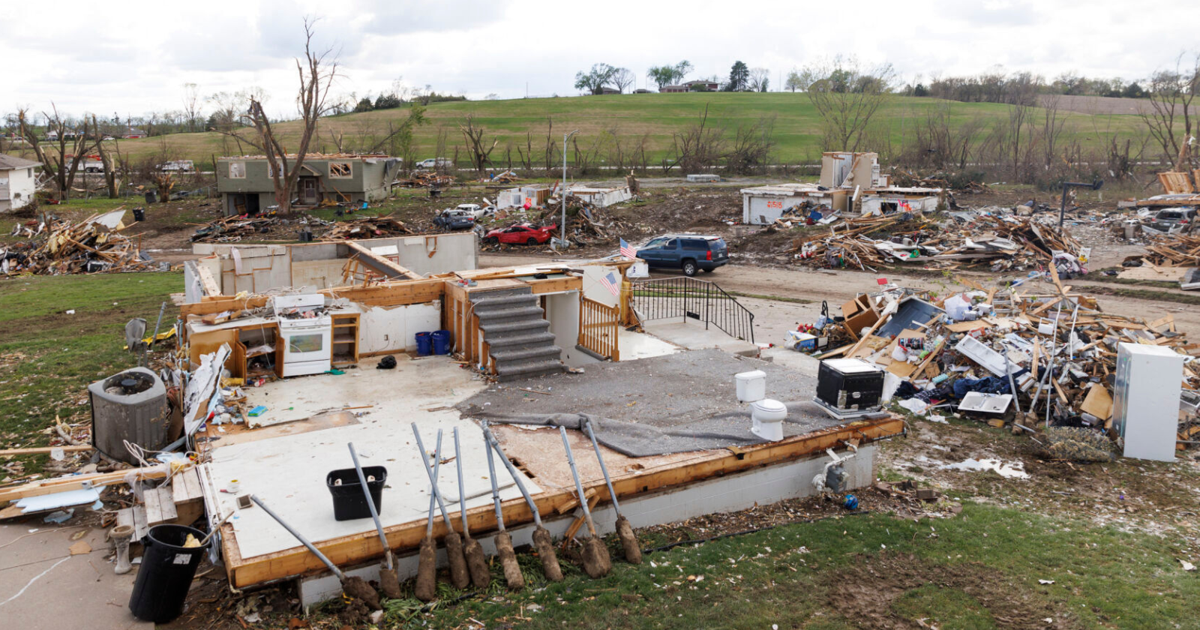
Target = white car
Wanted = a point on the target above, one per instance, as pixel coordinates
(475, 210)
(435, 163)
(177, 166)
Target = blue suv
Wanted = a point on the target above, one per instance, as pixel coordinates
(688, 252)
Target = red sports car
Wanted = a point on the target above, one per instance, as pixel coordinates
(520, 234)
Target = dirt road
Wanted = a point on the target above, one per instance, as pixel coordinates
(837, 287)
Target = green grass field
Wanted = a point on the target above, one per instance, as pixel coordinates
(797, 125)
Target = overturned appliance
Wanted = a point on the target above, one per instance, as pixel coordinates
(849, 388)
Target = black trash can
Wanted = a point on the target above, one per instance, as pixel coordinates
(139, 214)
(166, 573)
(152, 197)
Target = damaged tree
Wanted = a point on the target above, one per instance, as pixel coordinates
(1171, 93)
(473, 136)
(317, 73)
(847, 98)
(72, 146)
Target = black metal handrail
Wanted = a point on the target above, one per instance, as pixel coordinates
(669, 298)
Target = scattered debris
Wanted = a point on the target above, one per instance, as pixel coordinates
(91, 246)
(370, 227)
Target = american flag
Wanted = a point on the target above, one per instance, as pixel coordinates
(627, 251)
(611, 283)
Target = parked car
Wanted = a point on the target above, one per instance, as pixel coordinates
(454, 220)
(1170, 218)
(520, 234)
(177, 166)
(689, 252)
(435, 163)
(475, 210)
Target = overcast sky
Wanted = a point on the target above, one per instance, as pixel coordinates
(134, 56)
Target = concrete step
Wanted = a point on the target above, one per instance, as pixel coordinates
(508, 300)
(520, 340)
(495, 329)
(509, 312)
(528, 368)
(518, 353)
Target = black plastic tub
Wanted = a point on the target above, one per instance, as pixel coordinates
(349, 503)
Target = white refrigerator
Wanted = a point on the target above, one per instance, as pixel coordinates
(1146, 400)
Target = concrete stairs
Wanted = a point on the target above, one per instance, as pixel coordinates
(517, 333)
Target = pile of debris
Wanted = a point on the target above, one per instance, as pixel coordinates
(1035, 360)
(426, 180)
(1176, 250)
(93, 245)
(585, 226)
(234, 229)
(507, 177)
(998, 241)
(370, 227)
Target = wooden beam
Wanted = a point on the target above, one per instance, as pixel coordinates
(365, 546)
(383, 264)
(76, 482)
(45, 449)
(211, 288)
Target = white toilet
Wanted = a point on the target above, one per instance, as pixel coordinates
(768, 418)
(751, 386)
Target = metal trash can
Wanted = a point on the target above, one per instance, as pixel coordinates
(166, 573)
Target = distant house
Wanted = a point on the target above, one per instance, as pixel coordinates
(642, 91)
(133, 132)
(17, 182)
(693, 86)
(247, 187)
(69, 134)
(608, 90)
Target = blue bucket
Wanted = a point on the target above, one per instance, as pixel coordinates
(424, 344)
(441, 342)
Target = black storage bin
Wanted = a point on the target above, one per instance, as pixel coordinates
(166, 573)
(849, 384)
(348, 500)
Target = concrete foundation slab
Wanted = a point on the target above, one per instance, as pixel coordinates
(694, 336)
(725, 494)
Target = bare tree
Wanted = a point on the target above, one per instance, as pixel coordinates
(847, 97)
(760, 79)
(752, 147)
(473, 135)
(110, 171)
(191, 104)
(697, 148)
(1171, 93)
(72, 139)
(317, 73)
(623, 78)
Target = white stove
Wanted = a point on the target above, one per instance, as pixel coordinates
(306, 330)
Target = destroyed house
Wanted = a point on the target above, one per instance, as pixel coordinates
(246, 184)
(392, 350)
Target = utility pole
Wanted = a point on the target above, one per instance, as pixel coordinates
(562, 227)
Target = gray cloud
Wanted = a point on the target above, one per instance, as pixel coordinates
(392, 17)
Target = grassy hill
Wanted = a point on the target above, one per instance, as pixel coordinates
(797, 125)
